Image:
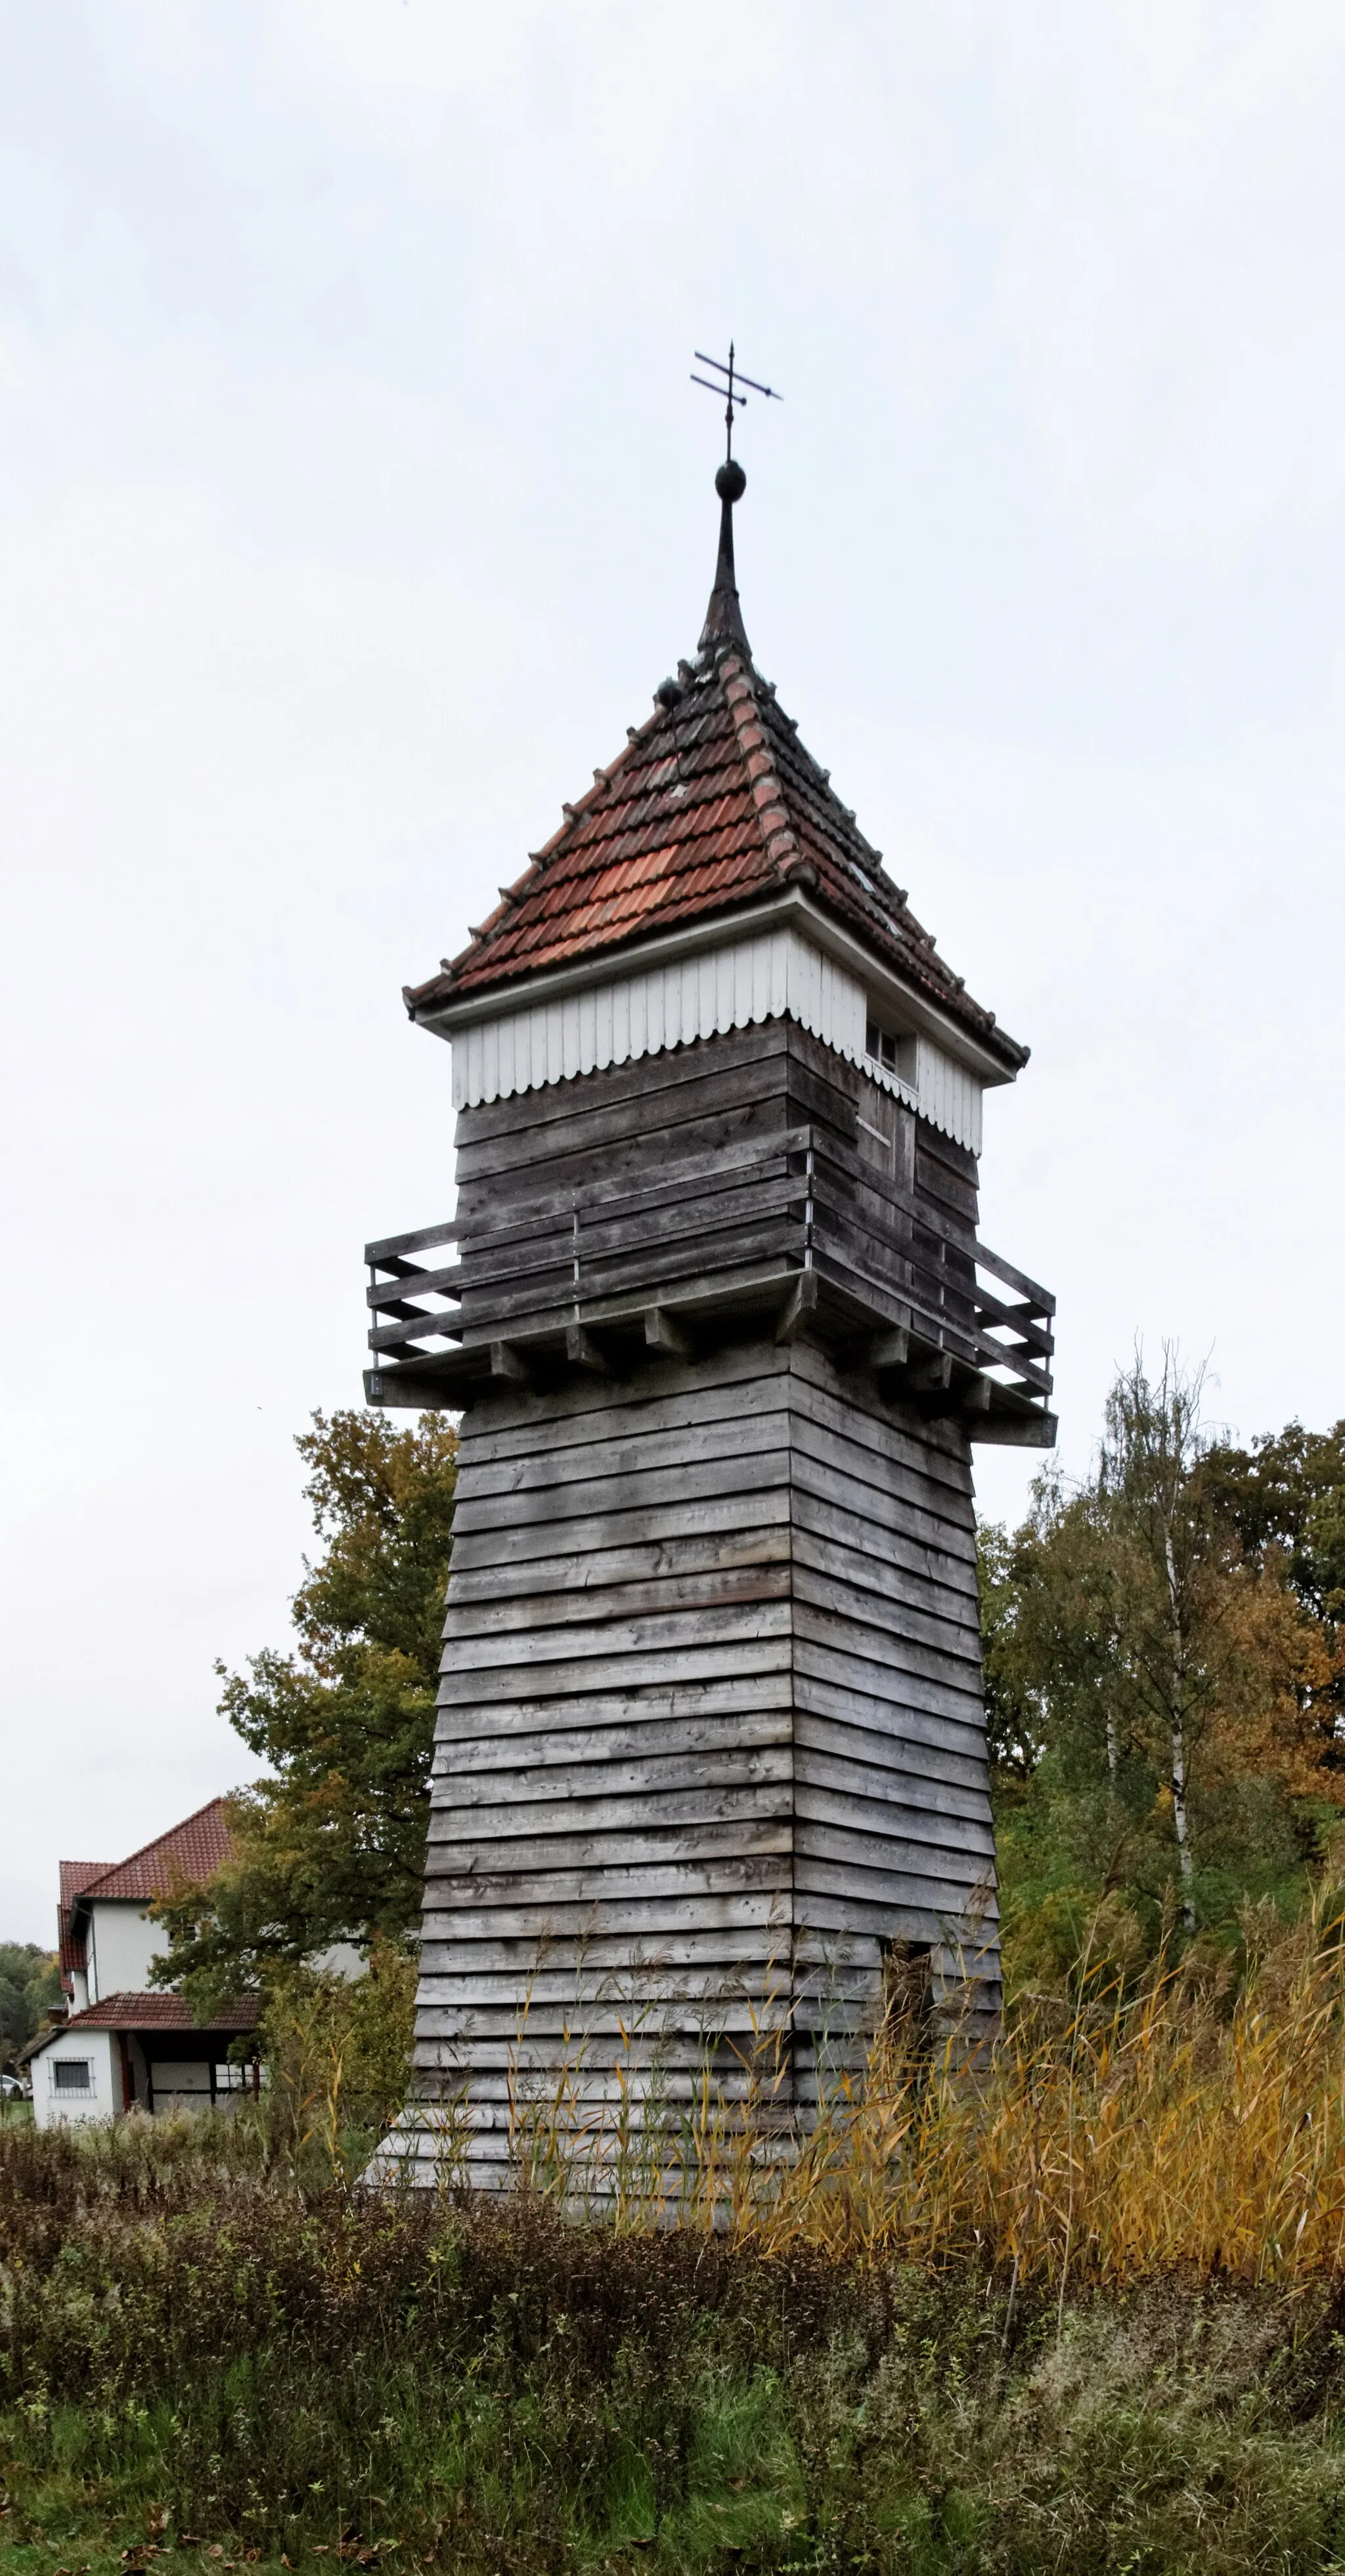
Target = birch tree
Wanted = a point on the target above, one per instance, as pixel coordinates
(1169, 1650)
(1165, 1692)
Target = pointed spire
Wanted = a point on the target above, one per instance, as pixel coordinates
(724, 617)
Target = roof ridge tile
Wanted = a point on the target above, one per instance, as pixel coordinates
(754, 747)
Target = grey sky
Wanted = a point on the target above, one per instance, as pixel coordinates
(353, 500)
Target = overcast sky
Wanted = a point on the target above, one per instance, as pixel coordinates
(354, 499)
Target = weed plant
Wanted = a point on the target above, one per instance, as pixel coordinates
(1189, 2120)
(1080, 2306)
(200, 2358)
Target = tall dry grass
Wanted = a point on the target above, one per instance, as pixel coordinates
(1173, 2124)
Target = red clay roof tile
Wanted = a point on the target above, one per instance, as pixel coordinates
(75, 1876)
(160, 2012)
(193, 1851)
(712, 805)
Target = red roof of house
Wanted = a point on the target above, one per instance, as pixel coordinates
(191, 1851)
(159, 2012)
(76, 1875)
(714, 805)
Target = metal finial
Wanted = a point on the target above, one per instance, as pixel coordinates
(723, 618)
(733, 377)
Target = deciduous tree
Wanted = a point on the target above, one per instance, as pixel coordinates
(330, 1846)
(1161, 1690)
(29, 1981)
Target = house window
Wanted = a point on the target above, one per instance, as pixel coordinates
(232, 2079)
(895, 1054)
(72, 2074)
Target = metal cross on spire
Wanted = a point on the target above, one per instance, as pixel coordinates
(724, 618)
(733, 377)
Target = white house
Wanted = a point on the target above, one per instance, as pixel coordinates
(126, 2045)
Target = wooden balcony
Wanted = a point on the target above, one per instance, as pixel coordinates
(767, 1235)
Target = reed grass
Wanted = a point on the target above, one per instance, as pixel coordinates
(1186, 2121)
(1076, 2303)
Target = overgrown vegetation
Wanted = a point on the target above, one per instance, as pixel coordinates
(335, 2052)
(1077, 2302)
(199, 2358)
(331, 1847)
(1166, 1669)
(29, 1982)
(1080, 2306)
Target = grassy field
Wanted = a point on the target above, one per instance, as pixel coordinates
(1081, 2307)
(203, 2363)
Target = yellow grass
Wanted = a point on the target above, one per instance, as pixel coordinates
(1176, 2127)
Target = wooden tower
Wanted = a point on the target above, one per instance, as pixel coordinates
(711, 1746)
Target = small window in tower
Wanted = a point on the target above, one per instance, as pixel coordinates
(72, 2075)
(891, 1049)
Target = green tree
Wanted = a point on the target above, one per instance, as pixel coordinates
(331, 1846)
(1164, 1693)
(30, 1980)
(1285, 1496)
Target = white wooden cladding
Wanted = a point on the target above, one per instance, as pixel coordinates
(710, 1730)
(735, 986)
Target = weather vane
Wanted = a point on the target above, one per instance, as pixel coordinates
(733, 378)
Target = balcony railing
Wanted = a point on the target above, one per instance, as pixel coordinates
(798, 1226)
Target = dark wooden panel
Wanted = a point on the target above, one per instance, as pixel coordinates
(883, 1707)
(511, 1615)
(566, 1149)
(668, 1391)
(918, 1774)
(711, 1686)
(642, 1079)
(681, 1701)
(630, 1758)
(682, 1559)
(744, 1473)
(484, 1662)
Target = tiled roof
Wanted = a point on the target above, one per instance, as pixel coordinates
(76, 1875)
(713, 805)
(159, 2012)
(193, 1851)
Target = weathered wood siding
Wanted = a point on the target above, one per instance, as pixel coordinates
(730, 984)
(700, 1184)
(688, 1150)
(711, 1730)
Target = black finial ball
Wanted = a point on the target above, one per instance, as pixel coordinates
(668, 694)
(730, 481)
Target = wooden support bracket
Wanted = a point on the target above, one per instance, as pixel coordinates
(582, 1351)
(798, 1306)
(890, 1350)
(976, 1397)
(506, 1362)
(663, 1333)
(935, 1377)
